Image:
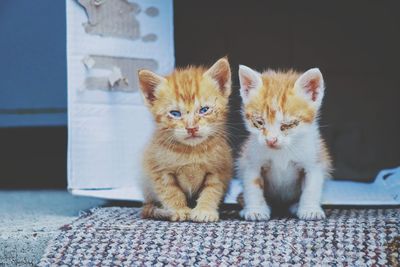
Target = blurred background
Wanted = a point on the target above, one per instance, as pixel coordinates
(356, 44)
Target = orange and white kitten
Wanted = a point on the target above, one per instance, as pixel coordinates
(284, 160)
(188, 157)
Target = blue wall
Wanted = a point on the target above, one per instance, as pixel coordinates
(33, 77)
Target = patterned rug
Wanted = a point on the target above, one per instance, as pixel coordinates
(118, 237)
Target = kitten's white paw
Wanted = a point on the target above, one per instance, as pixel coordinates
(310, 213)
(256, 213)
(204, 215)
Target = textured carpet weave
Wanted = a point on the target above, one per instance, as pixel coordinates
(118, 237)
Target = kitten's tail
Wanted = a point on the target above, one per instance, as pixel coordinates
(150, 210)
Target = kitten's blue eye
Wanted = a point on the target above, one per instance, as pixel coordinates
(175, 113)
(203, 110)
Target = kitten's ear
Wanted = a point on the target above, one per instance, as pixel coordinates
(149, 81)
(250, 80)
(310, 85)
(221, 73)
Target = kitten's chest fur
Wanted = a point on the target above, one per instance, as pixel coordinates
(191, 177)
(283, 180)
(282, 170)
(190, 168)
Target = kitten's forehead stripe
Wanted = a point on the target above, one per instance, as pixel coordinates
(197, 86)
(175, 87)
(186, 84)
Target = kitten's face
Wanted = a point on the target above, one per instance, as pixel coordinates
(190, 105)
(280, 107)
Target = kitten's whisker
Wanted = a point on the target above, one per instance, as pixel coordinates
(324, 126)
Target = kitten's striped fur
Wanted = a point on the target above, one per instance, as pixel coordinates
(188, 157)
(284, 160)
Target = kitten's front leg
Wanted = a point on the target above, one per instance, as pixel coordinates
(206, 209)
(255, 206)
(172, 198)
(309, 207)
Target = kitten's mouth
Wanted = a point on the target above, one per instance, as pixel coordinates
(191, 137)
(275, 147)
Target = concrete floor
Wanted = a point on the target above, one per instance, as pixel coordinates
(29, 219)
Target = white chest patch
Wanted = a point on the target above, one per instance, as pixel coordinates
(283, 176)
(283, 181)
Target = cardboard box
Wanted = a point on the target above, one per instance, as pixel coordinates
(108, 124)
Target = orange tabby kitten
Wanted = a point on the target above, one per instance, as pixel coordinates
(284, 160)
(188, 157)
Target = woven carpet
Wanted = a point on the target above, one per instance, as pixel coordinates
(119, 237)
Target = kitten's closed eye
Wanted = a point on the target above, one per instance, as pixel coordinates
(258, 122)
(287, 126)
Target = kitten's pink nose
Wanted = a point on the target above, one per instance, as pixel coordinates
(192, 130)
(272, 141)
